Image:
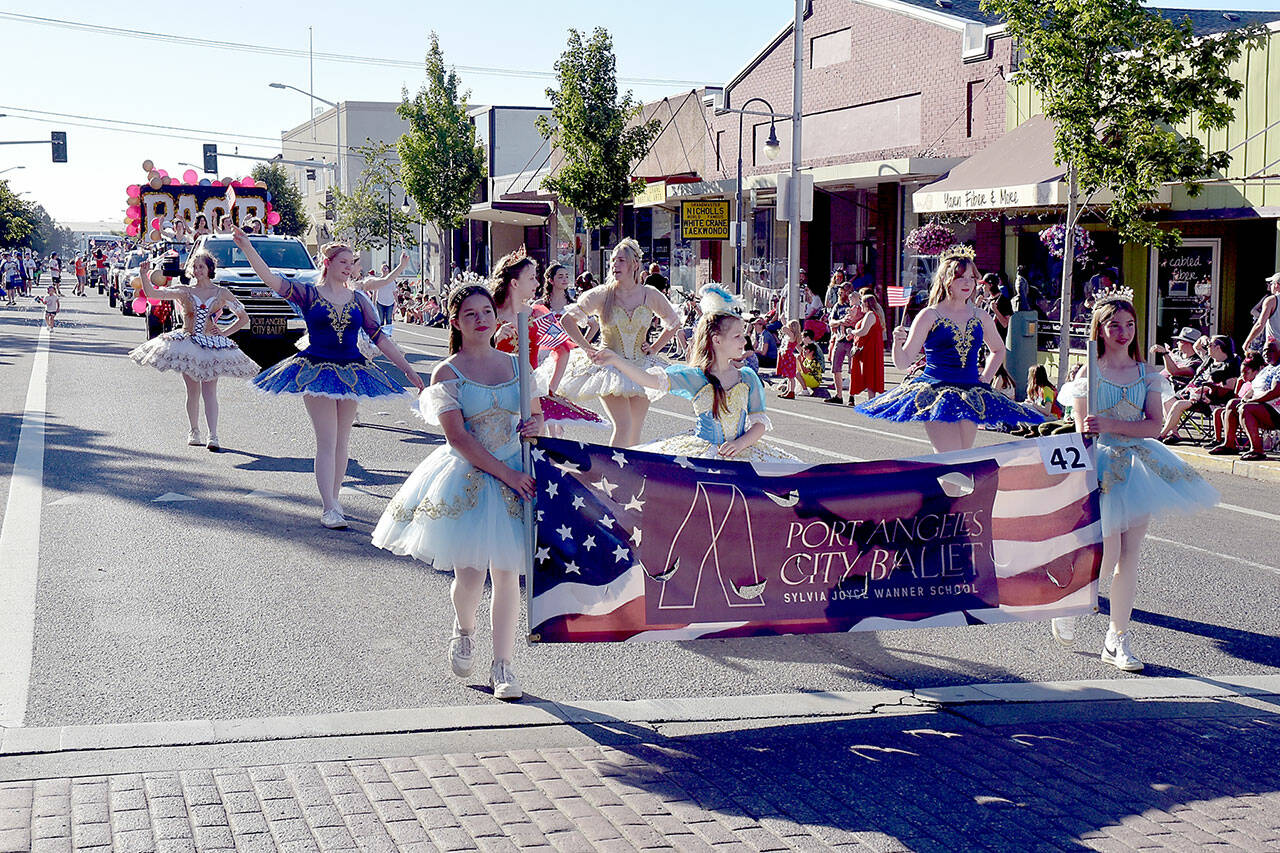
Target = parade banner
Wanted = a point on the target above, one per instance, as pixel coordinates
(190, 201)
(638, 546)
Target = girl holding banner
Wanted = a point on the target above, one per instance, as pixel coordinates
(331, 375)
(951, 397)
(626, 309)
(728, 400)
(1138, 478)
(460, 510)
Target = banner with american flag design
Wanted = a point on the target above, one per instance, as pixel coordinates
(639, 546)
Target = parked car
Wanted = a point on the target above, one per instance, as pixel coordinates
(121, 288)
(275, 326)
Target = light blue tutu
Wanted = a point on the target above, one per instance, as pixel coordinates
(302, 374)
(449, 513)
(1140, 478)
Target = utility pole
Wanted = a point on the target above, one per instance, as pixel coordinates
(1068, 265)
(793, 213)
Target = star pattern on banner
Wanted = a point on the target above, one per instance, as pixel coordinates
(605, 486)
(578, 502)
(589, 543)
(571, 568)
(564, 531)
(543, 555)
(620, 553)
(553, 489)
(620, 459)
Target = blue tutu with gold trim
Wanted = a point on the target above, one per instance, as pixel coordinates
(303, 374)
(926, 399)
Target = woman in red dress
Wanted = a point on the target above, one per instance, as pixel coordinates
(868, 351)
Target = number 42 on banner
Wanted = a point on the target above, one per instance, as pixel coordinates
(1065, 454)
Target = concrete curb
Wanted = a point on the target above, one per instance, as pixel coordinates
(780, 706)
(1265, 471)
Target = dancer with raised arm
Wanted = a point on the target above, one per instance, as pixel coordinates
(460, 509)
(331, 375)
(1138, 478)
(728, 400)
(951, 397)
(202, 351)
(626, 309)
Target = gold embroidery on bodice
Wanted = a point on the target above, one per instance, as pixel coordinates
(625, 333)
(492, 427)
(736, 400)
(964, 337)
(339, 315)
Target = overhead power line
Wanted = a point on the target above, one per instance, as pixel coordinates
(298, 53)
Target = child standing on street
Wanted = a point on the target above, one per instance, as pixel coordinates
(460, 510)
(788, 362)
(1138, 478)
(51, 305)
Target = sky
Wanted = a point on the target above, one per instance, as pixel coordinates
(211, 94)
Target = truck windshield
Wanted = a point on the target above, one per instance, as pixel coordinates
(279, 254)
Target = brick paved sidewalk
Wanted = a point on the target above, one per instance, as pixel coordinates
(918, 782)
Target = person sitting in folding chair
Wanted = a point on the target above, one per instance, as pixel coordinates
(1212, 385)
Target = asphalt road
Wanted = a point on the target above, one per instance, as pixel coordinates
(238, 604)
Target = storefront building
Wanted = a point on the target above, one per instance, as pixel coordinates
(895, 94)
(1212, 281)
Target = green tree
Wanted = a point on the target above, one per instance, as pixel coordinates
(46, 236)
(286, 198)
(364, 215)
(16, 222)
(1116, 80)
(589, 126)
(441, 164)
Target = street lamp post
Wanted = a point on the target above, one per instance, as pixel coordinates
(771, 149)
(337, 121)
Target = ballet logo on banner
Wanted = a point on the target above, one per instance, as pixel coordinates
(634, 545)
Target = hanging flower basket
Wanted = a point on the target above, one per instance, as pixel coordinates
(1055, 237)
(930, 239)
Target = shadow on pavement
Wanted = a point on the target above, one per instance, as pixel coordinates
(935, 783)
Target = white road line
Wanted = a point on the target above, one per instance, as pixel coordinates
(1239, 560)
(1257, 513)
(20, 546)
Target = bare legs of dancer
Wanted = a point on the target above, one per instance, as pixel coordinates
(331, 420)
(946, 437)
(627, 414)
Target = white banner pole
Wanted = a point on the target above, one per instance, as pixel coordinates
(526, 456)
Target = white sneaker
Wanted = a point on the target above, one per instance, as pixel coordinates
(503, 680)
(1064, 629)
(213, 444)
(1115, 651)
(333, 519)
(194, 439)
(462, 652)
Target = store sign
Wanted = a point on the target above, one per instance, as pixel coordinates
(704, 219)
(1185, 284)
(990, 198)
(654, 192)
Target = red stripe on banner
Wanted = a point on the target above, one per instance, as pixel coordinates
(1040, 528)
(616, 625)
(1067, 574)
(1017, 478)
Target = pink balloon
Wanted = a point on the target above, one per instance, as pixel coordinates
(236, 183)
(163, 173)
(154, 303)
(190, 176)
(215, 183)
(133, 212)
(155, 223)
(133, 191)
(139, 304)
(131, 230)
(247, 182)
(273, 218)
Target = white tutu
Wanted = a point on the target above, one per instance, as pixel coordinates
(180, 352)
(450, 513)
(584, 380)
(688, 444)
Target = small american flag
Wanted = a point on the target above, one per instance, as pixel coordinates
(898, 297)
(550, 333)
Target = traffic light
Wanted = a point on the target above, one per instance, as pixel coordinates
(58, 139)
(328, 205)
(211, 158)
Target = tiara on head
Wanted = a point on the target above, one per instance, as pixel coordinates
(1113, 294)
(716, 300)
(959, 251)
